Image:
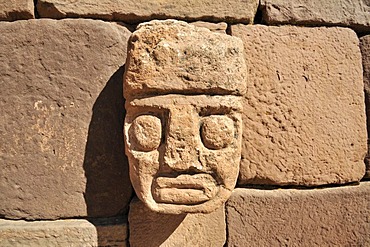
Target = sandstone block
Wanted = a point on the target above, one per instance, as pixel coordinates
(61, 149)
(365, 50)
(183, 148)
(16, 10)
(108, 232)
(354, 13)
(304, 114)
(320, 217)
(151, 229)
(131, 11)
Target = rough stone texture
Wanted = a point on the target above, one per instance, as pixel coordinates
(365, 50)
(354, 13)
(175, 57)
(304, 114)
(64, 233)
(184, 148)
(321, 217)
(132, 11)
(151, 229)
(61, 149)
(214, 27)
(11, 10)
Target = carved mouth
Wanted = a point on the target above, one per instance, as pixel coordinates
(185, 189)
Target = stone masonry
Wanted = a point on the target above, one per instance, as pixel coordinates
(61, 106)
(321, 217)
(365, 49)
(132, 11)
(11, 10)
(244, 122)
(304, 115)
(153, 229)
(354, 13)
(106, 232)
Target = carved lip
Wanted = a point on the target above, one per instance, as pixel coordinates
(185, 189)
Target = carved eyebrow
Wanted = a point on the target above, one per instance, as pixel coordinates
(198, 101)
(212, 110)
(162, 111)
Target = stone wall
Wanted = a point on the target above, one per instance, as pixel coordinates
(304, 86)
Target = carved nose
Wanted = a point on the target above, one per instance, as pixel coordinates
(181, 153)
(181, 157)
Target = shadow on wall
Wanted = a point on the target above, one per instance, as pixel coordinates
(108, 188)
(367, 158)
(158, 228)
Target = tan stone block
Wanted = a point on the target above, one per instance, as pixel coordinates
(132, 11)
(108, 232)
(61, 149)
(354, 13)
(365, 50)
(151, 229)
(111, 231)
(175, 57)
(183, 148)
(11, 10)
(304, 114)
(288, 217)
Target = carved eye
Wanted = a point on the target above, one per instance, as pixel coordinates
(145, 133)
(217, 132)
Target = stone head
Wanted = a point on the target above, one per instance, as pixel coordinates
(183, 124)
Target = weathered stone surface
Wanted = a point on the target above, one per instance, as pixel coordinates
(304, 114)
(151, 229)
(354, 13)
(321, 217)
(214, 27)
(365, 50)
(108, 232)
(111, 231)
(132, 11)
(11, 10)
(61, 149)
(184, 150)
(175, 57)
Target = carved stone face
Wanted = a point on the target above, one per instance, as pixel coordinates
(184, 151)
(184, 147)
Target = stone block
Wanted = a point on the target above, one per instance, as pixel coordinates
(288, 217)
(131, 11)
(304, 115)
(365, 50)
(61, 149)
(183, 148)
(151, 229)
(354, 14)
(108, 232)
(16, 10)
